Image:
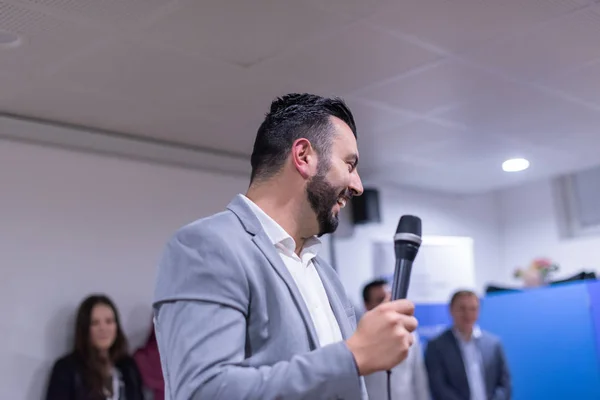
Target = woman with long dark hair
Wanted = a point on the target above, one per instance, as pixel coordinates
(99, 367)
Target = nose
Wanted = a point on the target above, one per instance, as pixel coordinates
(356, 186)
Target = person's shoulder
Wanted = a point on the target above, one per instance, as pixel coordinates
(217, 224)
(209, 233)
(201, 257)
(126, 362)
(490, 338)
(66, 363)
(441, 338)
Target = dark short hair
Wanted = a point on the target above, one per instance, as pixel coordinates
(461, 293)
(291, 117)
(366, 293)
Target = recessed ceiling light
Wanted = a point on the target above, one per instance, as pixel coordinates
(515, 165)
(9, 39)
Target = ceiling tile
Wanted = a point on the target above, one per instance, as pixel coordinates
(582, 148)
(352, 8)
(459, 148)
(456, 25)
(349, 60)
(371, 118)
(447, 83)
(524, 113)
(115, 13)
(473, 146)
(10, 87)
(474, 165)
(239, 105)
(554, 47)
(583, 83)
(45, 41)
(132, 71)
(403, 171)
(484, 173)
(241, 32)
(409, 140)
(22, 21)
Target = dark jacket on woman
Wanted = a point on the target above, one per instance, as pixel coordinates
(66, 380)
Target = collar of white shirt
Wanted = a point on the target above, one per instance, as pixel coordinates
(475, 335)
(280, 238)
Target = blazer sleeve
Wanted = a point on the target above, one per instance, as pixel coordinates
(201, 305)
(60, 385)
(440, 390)
(421, 382)
(503, 389)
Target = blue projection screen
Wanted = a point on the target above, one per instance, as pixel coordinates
(594, 290)
(549, 339)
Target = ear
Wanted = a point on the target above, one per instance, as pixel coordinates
(304, 158)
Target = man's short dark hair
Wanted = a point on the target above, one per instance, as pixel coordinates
(461, 293)
(291, 117)
(366, 293)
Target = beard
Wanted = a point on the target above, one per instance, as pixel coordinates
(322, 197)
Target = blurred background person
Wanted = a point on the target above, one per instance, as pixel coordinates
(147, 359)
(99, 367)
(464, 362)
(409, 378)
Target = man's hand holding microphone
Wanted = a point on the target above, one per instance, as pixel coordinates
(383, 336)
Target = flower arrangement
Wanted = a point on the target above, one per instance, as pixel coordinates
(537, 273)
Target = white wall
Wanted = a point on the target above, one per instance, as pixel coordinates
(74, 223)
(530, 229)
(444, 215)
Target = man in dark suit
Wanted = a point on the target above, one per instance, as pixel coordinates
(464, 362)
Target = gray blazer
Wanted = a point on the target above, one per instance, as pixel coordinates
(446, 369)
(231, 323)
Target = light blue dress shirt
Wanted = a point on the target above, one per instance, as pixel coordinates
(473, 362)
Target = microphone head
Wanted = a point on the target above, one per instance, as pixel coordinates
(409, 224)
(409, 230)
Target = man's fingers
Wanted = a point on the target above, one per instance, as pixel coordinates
(405, 307)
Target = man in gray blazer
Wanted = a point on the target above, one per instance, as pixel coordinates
(244, 307)
(464, 362)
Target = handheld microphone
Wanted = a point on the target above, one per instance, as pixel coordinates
(407, 241)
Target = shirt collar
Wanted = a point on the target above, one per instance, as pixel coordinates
(475, 335)
(278, 236)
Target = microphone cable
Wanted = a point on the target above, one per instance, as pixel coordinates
(389, 384)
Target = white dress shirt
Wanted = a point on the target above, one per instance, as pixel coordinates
(305, 275)
(473, 363)
(408, 380)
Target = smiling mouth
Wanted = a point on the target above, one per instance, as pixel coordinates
(342, 202)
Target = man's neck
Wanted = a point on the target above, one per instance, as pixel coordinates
(282, 207)
(466, 334)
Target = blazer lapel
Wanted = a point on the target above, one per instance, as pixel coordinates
(239, 207)
(457, 357)
(268, 250)
(336, 304)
